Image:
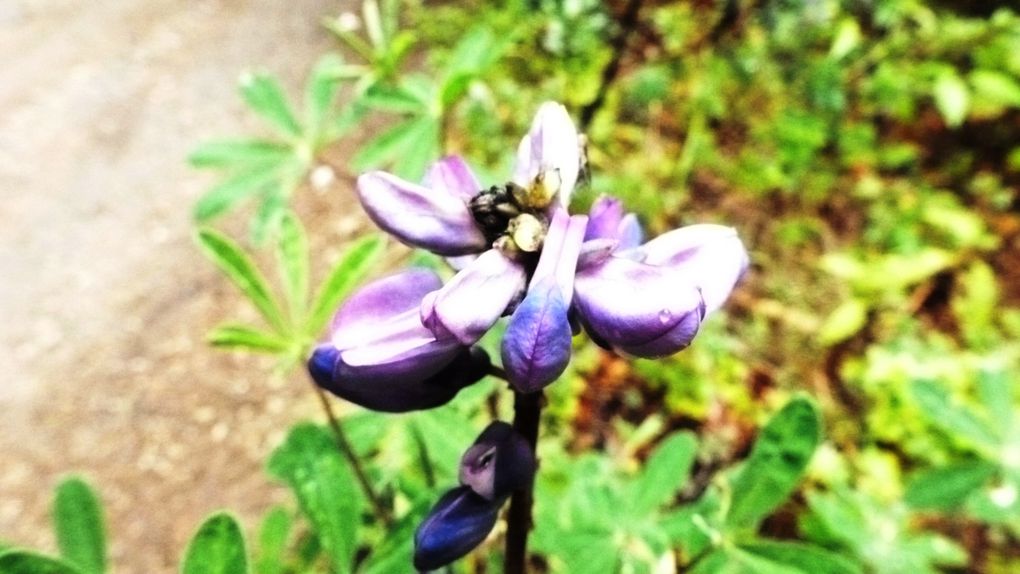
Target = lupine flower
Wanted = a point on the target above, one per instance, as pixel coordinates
(520, 253)
(380, 356)
(498, 463)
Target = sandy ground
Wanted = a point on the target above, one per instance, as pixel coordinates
(103, 297)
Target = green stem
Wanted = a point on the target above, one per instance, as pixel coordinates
(527, 412)
(345, 447)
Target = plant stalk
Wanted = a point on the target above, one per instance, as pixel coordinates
(381, 514)
(527, 412)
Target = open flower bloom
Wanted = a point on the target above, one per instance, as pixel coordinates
(518, 252)
(380, 356)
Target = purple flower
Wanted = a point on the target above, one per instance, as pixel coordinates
(519, 253)
(380, 355)
(649, 300)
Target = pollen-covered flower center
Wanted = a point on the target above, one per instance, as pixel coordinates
(514, 218)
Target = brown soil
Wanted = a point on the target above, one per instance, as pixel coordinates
(104, 297)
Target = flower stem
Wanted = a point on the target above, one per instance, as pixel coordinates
(527, 411)
(381, 514)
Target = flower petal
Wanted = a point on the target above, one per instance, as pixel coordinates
(560, 252)
(471, 303)
(712, 256)
(499, 462)
(629, 232)
(458, 523)
(451, 175)
(604, 218)
(551, 146)
(637, 308)
(431, 219)
(536, 345)
(397, 387)
(385, 297)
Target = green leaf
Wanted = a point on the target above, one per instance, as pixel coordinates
(955, 419)
(996, 396)
(264, 95)
(217, 548)
(267, 219)
(292, 252)
(396, 550)
(238, 153)
(995, 88)
(228, 192)
(948, 487)
(232, 336)
(665, 472)
(409, 146)
(394, 99)
(81, 533)
(24, 562)
(320, 92)
(776, 463)
(273, 537)
(349, 271)
(806, 558)
(309, 462)
(845, 321)
(240, 269)
(952, 98)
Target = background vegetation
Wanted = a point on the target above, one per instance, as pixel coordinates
(852, 410)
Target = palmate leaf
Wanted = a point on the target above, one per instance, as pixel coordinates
(776, 463)
(81, 533)
(948, 487)
(24, 562)
(264, 95)
(349, 271)
(217, 548)
(240, 269)
(955, 419)
(414, 142)
(309, 462)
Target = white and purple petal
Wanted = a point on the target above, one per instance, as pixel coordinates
(551, 147)
(636, 308)
(451, 175)
(434, 219)
(711, 256)
(477, 296)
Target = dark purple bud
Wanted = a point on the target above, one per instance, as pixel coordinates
(458, 523)
(499, 463)
(435, 219)
(396, 393)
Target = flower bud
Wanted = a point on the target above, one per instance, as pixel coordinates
(458, 523)
(499, 463)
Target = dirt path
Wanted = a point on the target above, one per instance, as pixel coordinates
(103, 296)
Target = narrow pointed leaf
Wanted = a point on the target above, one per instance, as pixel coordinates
(221, 154)
(23, 562)
(292, 252)
(953, 418)
(320, 92)
(266, 223)
(240, 269)
(273, 536)
(217, 548)
(264, 95)
(776, 463)
(245, 337)
(665, 472)
(309, 462)
(353, 267)
(234, 189)
(410, 146)
(948, 487)
(806, 558)
(81, 532)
